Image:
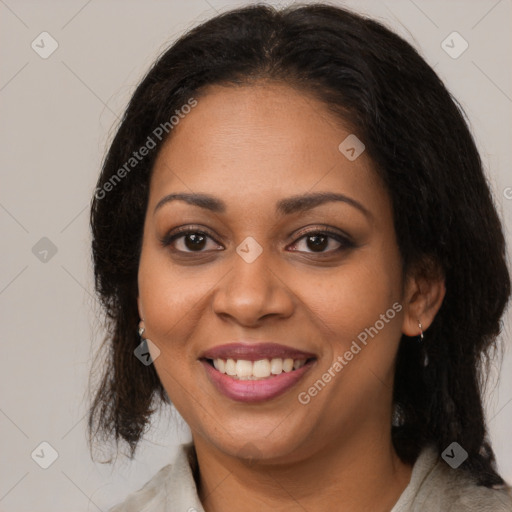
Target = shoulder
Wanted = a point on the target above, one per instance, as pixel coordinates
(435, 486)
(171, 488)
(461, 492)
(150, 497)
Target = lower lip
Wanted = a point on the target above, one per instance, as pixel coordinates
(255, 390)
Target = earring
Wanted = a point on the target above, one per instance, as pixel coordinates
(147, 351)
(421, 338)
(141, 329)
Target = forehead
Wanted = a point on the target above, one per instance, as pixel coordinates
(264, 141)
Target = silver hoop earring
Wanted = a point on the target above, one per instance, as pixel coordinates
(421, 339)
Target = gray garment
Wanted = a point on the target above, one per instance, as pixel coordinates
(434, 487)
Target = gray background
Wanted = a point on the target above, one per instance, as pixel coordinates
(56, 118)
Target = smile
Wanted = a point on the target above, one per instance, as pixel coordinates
(255, 373)
(243, 369)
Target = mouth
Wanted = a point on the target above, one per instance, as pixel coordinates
(242, 369)
(255, 373)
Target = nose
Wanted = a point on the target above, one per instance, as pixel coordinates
(251, 292)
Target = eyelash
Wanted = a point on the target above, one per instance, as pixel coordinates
(345, 242)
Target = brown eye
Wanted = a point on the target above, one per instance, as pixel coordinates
(189, 241)
(317, 243)
(322, 242)
(194, 241)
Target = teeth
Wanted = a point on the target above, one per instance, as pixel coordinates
(287, 365)
(298, 363)
(276, 366)
(220, 365)
(243, 368)
(230, 367)
(262, 369)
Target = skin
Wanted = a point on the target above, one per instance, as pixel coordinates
(252, 146)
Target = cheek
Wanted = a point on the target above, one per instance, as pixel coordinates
(171, 298)
(350, 298)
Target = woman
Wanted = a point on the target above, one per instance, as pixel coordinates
(295, 244)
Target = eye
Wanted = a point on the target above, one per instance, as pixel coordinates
(189, 240)
(193, 240)
(322, 242)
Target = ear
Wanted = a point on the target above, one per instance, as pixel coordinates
(424, 292)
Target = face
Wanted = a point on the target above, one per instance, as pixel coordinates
(256, 275)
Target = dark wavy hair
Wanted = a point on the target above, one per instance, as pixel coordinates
(415, 134)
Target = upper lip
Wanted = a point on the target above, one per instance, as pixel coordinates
(254, 352)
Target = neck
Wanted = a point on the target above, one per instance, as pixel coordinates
(359, 475)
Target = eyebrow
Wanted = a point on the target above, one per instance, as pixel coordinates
(288, 206)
